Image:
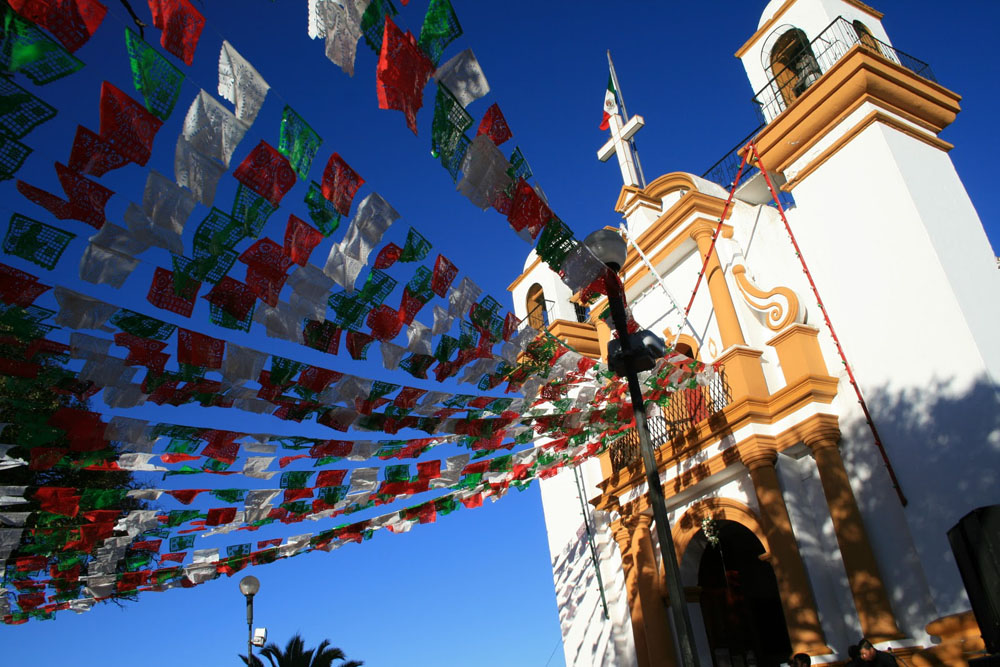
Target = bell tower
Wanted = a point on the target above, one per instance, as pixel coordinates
(851, 126)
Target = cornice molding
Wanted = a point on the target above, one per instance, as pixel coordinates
(858, 77)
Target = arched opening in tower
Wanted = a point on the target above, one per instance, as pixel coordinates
(794, 65)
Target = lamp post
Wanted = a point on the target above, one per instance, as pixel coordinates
(627, 356)
(249, 585)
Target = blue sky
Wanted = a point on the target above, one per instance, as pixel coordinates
(474, 588)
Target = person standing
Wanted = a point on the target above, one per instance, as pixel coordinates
(872, 657)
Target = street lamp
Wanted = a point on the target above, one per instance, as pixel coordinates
(249, 585)
(627, 356)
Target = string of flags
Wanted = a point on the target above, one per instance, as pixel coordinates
(77, 526)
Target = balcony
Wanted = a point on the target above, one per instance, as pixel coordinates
(806, 64)
(816, 58)
(687, 409)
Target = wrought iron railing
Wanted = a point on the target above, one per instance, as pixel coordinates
(724, 171)
(811, 63)
(687, 409)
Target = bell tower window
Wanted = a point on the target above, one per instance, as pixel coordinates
(537, 315)
(865, 35)
(794, 66)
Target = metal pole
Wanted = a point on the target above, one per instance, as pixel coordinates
(250, 662)
(678, 605)
(631, 142)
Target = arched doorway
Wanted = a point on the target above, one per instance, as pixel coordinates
(793, 65)
(740, 604)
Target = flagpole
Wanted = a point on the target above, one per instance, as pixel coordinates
(631, 142)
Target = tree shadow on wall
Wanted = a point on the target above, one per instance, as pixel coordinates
(943, 440)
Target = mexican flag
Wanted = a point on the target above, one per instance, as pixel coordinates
(610, 103)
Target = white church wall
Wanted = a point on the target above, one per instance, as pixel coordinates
(895, 310)
(557, 295)
(655, 312)
(589, 638)
(834, 8)
(817, 544)
(957, 235)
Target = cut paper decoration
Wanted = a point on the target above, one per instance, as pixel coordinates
(463, 76)
(20, 111)
(166, 208)
(451, 120)
(12, 156)
(321, 210)
(19, 288)
(341, 26)
(72, 22)
(251, 211)
(484, 173)
(232, 304)
(127, 125)
(181, 24)
(298, 142)
(91, 154)
(494, 125)
(403, 71)
(340, 184)
(373, 20)
(266, 172)
(581, 268)
(440, 29)
(35, 241)
(163, 293)
(26, 49)
(195, 349)
(267, 264)
(87, 198)
(154, 77)
(78, 311)
(241, 84)
(103, 266)
(212, 129)
(197, 172)
(372, 219)
(529, 213)
(142, 325)
(300, 240)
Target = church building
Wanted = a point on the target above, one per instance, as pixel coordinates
(855, 416)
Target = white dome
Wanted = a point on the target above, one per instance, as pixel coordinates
(532, 256)
(770, 11)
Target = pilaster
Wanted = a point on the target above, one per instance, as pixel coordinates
(870, 598)
(622, 529)
(722, 300)
(797, 601)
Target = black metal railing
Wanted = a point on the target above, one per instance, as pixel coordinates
(724, 171)
(814, 60)
(687, 409)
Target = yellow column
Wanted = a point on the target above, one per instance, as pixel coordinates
(797, 600)
(659, 637)
(874, 611)
(622, 529)
(722, 301)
